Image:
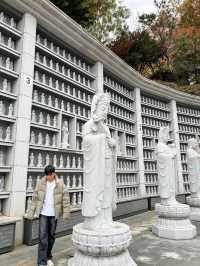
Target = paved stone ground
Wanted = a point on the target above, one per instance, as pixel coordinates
(147, 249)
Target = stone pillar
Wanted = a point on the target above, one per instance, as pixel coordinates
(175, 131)
(98, 82)
(16, 206)
(139, 142)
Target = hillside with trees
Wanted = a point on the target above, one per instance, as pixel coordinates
(164, 47)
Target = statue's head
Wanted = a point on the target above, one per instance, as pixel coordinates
(193, 144)
(163, 134)
(100, 106)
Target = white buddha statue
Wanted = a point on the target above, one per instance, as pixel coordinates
(166, 164)
(99, 196)
(193, 160)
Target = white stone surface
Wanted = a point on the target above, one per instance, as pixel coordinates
(193, 160)
(173, 217)
(173, 222)
(102, 247)
(99, 240)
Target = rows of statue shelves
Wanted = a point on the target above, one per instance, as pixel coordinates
(151, 191)
(188, 111)
(54, 99)
(39, 159)
(62, 53)
(76, 106)
(190, 120)
(188, 128)
(184, 137)
(155, 114)
(7, 41)
(8, 45)
(127, 115)
(150, 132)
(9, 55)
(148, 144)
(149, 155)
(152, 112)
(121, 125)
(126, 165)
(188, 124)
(6, 108)
(44, 118)
(6, 86)
(8, 19)
(120, 88)
(151, 179)
(74, 182)
(4, 156)
(75, 200)
(120, 100)
(62, 70)
(130, 140)
(5, 133)
(43, 138)
(123, 194)
(155, 103)
(154, 122)
(121, 120)
(7, 63)
(150, 166)
(128, 193)
(127, 187)
(127, 180)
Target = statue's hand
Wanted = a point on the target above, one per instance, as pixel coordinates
(112, 143)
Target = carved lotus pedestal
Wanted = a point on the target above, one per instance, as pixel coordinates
(173, 222)
(106, 247)
(194, 203)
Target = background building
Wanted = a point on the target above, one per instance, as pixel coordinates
(50, 68)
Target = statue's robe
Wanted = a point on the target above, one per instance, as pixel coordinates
(166, 171)
(99, 181)
(193, 160)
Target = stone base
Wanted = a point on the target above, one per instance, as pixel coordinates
(195, 214)
(174, 229)
(194, 203)
(106, 247)
(173, 222)
(81, 259)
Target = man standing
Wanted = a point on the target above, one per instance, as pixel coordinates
(50, 201)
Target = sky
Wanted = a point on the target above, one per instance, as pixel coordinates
(138, 7)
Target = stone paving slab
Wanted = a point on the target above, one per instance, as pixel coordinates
(146, 249)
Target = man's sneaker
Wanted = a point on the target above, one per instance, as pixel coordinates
(50, 263)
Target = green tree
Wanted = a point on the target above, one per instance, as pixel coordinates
(145, 52)
(186, 49)
(139, 50)
(75, 9)
(104, 19)
(161, 25)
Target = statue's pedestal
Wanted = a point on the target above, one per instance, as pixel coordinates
(173, 222)
(194, 203)
(105, 247)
